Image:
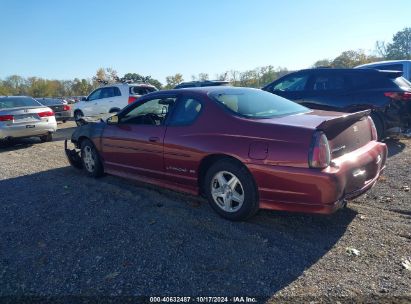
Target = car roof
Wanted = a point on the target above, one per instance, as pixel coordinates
(200, 90)
(15, 96)
(385, 62)
(338, 70)
(136, 84)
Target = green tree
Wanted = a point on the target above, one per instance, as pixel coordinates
(322, 63)
(140, 78)
(172, 81)
(350, 59)
(400, 48)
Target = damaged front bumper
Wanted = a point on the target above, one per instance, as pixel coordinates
(73, 156)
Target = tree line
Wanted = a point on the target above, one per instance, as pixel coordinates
(398, 48)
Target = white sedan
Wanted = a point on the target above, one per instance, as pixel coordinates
(22, 116)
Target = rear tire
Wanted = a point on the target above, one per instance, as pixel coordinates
(230, 190)
(46, 138)
(379, 126)
(91, 160)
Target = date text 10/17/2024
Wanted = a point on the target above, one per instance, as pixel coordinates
(200, 299)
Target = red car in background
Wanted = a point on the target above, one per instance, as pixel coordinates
(244, 149)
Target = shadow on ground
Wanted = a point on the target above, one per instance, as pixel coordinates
(394, 147)
(63, 233)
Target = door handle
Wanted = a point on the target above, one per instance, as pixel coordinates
(154, 139)
(110, 101)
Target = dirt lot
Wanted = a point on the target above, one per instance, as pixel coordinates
(62, 233)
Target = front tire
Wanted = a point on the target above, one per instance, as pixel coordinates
(230, 190)
(78, 118)
(91, 160)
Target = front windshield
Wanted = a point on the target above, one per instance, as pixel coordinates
(15, 102)
(255, 103)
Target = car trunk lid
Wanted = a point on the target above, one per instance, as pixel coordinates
(23, 115)
(347, 132)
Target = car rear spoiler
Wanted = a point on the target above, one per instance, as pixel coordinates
(391, 74)
(332, 127)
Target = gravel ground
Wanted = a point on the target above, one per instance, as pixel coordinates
(62, 233)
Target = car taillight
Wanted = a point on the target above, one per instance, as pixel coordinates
(374, 135)
(319, 156)
(66, 108)
(6, 117)
(46, 114)
(132, 99)
(402, 96)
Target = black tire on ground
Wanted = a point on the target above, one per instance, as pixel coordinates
(46, 138)
(78, 118)
(250, 204)
(91, 160)
(379, 126)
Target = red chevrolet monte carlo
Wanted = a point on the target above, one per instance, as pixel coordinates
(242, 148)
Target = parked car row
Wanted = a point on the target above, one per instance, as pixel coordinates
(243, 149)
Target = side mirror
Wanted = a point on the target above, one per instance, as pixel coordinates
(83, 98)
(112, 120)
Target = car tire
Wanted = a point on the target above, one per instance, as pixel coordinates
(231, 190)
(78, 118)
(379, 126)
(91, 160)
(46, 138)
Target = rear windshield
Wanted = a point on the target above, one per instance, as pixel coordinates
(254, 103)
(50, 102)
(15, 102)
(141, 90)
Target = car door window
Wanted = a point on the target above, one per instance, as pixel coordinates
(293, 83)
(328, 82)
(152, 112)
(107, 92)
(95, 95)
(116, 91)
(186, 111)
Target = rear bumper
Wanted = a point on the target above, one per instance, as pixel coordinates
(21, 130)
(320, 191)
(63, 115)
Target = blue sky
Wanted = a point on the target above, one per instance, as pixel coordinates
(67, 39)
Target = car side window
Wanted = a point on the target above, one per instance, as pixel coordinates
(95, 95)
(116, 91)
(107, 92)
(328, 82)
(152, 112)
(185, 112)
(292, 83)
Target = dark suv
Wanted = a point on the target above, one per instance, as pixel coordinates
(386, 93)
